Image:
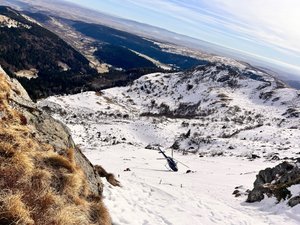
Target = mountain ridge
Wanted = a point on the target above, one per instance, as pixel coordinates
(225, 103)
(42, 56)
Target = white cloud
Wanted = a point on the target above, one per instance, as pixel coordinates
(276, 22)
(257, 25)
(266, 28)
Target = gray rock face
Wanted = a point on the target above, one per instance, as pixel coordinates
(48, 130)
(294, 201)
(274, 182)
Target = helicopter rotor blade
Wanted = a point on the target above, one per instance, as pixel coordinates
(182, 163)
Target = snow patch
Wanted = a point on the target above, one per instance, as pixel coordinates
(29, 74)
(11, 23)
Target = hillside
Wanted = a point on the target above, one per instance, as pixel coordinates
(113, 37)
(226, 121)
(45, 179)
(108, 47)
(39, 59)
(47, 65)
(223, 106)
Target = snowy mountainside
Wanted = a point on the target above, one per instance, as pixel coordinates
(245, 116)
(214, 109)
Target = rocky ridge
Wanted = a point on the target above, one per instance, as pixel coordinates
(214, 109)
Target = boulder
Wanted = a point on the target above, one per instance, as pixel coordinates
(274, 182)
(294, 201)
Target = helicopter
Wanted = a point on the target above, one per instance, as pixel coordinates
(171, 161)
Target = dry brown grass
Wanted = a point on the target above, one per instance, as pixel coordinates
(37, 185)
(98, 212)
(13, 209)
(60, 162)
(109, 176)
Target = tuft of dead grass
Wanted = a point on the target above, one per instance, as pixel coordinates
(7, 150)
(13, 209)
(57, 161)
(109, 176)
(99, 214)
(72, 215)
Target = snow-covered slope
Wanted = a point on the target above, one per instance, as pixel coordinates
(247, 117)
(216, 108)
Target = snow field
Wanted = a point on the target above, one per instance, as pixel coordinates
(153, 195)
(234, 122)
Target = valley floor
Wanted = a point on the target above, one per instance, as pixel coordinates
(153, 195)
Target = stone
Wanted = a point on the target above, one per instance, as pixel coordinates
(274, 182)
(294, 201)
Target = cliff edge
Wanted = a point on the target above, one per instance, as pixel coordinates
(45, 179)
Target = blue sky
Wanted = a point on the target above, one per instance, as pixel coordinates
(265, 29)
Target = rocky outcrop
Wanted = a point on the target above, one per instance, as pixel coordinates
(45, 178)
(48, 130)
(275, 182)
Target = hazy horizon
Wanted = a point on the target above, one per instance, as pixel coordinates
(263, 30)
